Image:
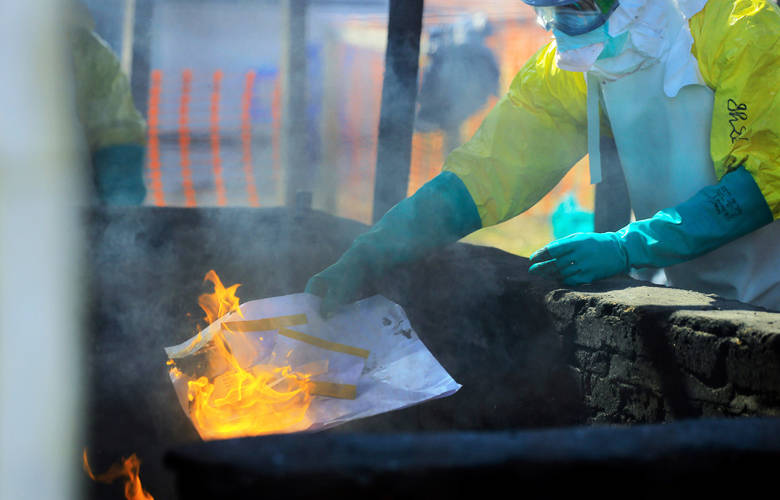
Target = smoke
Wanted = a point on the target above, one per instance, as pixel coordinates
(147, 263)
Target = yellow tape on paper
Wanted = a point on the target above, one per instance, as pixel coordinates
(262, 325)
(324, 344)
(333, 390)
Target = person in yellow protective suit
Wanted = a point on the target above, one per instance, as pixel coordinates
(689, 91)
(113, 129)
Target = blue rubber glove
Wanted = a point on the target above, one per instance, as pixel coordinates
(118, 174)
(439, 213)
(581, 258)
(713, 217)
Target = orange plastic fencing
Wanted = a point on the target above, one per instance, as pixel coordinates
(246, 139)
(203, 128)
(153, 145)
(216, 160)
(209, 123)
(184, 138)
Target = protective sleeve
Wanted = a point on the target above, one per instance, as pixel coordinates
(714, 216)
(528, 141)
(737, 45)
(104, 102)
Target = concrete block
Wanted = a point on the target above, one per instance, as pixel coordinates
(700, 353)
(596, 362)
(596, 330)
(606, 396)
(753, 363)
(639, 372)
(698, 390)
(641, 405)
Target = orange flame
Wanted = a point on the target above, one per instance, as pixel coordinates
(221, 302)
(129, 469)
(241, 400)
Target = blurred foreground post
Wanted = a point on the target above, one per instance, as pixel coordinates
(298, 169)
(41, 287)
(399, 97)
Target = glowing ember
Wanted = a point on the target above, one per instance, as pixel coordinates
(129, 470)
(243, 400)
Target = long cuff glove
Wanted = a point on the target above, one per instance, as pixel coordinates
(118, 173)
(439, 213)
(713, 217)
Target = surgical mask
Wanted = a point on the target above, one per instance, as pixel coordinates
(612, 45)
(568, 42)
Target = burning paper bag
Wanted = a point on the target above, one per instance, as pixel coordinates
(276, 366)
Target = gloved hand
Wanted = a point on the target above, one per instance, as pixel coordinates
(713, 217)
(439, 213)
(118, 174)
(344, 282)
(581, 258)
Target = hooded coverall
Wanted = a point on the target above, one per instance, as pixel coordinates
(697, 129)
(539, 130)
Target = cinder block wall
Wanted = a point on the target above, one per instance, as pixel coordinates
(651, 354)
(617, 351)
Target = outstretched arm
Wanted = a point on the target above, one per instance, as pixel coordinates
(528, 142)
(713, 217)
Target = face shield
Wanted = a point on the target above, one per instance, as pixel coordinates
(572, 18)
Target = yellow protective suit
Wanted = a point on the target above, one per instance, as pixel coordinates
(104, 101)
(538, 130)
(113, 129)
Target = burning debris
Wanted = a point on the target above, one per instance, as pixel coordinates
(128, 469)
(275, 366)
(260, 399)
(241, 401)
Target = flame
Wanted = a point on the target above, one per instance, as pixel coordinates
(243, 400)
(248, 402)
(129, 469)
(221, 302)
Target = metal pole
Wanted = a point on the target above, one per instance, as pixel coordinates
(295, 158)
(399, 96)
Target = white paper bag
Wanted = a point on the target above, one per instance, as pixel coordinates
(364, 360)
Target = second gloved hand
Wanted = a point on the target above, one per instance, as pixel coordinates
(711, 218)
(581, 258)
